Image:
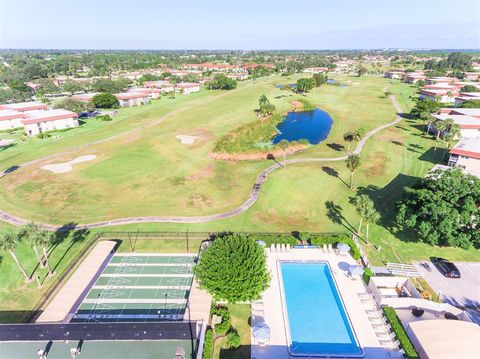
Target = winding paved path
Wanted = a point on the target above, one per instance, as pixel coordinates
(252, 198)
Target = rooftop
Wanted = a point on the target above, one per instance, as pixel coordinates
(25, 106)
(6, 115)
(463, 121)
(469, 147)
(49, 115)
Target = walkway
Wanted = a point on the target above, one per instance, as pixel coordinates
(252, 198)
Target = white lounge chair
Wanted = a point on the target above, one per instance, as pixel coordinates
(284, 248)
(397, 354)
(330, 248)
(324, 248)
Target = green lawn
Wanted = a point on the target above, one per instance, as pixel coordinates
(239, 316)
(151, 173)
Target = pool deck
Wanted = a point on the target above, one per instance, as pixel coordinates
(276, 347)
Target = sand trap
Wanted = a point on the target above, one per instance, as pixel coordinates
(5, 143)
(187, 139)
(67, 166)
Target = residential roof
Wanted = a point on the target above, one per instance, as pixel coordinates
(443, 338)
(475, 112)
(438, 92)
(25, 106)
(187, 85)
(464, 121)
(6, 115)
(129, 95)
(469, 147)
(49, 115)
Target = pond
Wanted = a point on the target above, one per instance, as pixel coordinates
(312, 126)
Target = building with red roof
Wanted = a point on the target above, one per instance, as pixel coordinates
(130, 99)
(11, 119)
(38, 121)
(466, 155)
(25, 106)
(187, 88)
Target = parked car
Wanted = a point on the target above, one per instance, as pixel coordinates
(447, 268)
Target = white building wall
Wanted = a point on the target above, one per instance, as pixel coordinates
(10, 124)
(34, 129)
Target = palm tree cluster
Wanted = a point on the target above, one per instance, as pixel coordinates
(36, 237)
(448, 130)
(366, 209)
(265, 107)
(353, 136)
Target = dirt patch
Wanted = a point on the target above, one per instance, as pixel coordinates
(297, 105)
(271, 217)
(199, 200)
(260, 155)
(206, 172)
(377, 168)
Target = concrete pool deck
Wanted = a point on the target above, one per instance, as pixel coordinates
(277, 346)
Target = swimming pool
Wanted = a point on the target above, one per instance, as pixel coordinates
(316, 321)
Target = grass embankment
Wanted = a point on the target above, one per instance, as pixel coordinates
(253, 141)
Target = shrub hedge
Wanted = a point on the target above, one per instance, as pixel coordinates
(208, 344)
(224, 326)
(400, 333)
(367, 273)
(320, 240)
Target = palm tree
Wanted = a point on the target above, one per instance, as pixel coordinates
(372, 216)
(353, 162)
(29, 232)
(349, 137)
(8, 241)
(359, 134)
(283, 144)
(362, 204)
(44, 237)
(442, 126)
(453, 133)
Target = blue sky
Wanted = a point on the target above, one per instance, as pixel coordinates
(239, 24)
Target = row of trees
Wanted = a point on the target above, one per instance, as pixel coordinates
(221, 82)
(36, 237)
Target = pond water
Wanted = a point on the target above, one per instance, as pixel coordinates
(312, 126)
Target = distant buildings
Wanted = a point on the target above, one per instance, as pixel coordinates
(130, 99)
(396, 75)
(187, 88)
(414, 77)
(316, 70)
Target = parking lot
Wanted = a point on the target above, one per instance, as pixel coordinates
(463, 292)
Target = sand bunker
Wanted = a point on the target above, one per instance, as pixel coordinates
(187, 139)
(67, 166)
(5, 143)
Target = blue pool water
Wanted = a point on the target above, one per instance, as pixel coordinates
(317, 319)
(312, 126)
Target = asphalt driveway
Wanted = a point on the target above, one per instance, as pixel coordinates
(463, 292)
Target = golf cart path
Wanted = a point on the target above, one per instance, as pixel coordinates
(252, 198)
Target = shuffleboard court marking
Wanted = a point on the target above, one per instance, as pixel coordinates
(126, 275)
(107, 287)
(151, 264)
(147, 301)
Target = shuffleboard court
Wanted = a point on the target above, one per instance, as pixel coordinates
(143, 281)
(141, 259)
(146, 287)
(126, 269)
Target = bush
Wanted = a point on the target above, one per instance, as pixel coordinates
(223, 327)
(367, 273)
(221, 82)
(43, 135)
(105, 100)
(105, 118)
(320, 240)
(233, 268)
(233, 340)
(400, 333)
(208, 345)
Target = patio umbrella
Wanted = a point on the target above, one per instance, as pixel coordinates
(261, 332)
(262, 243)
(355, 271)
(343, 248)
